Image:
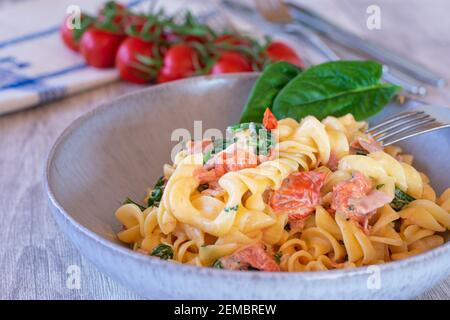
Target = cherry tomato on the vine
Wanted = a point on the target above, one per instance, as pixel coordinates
(136, 62)
(99, 47)
(71, 33)
(230, 62)
(279, 51)
(180, 61)
(113, 12)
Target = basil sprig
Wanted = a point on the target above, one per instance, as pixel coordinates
(266, 88)
(333, 88)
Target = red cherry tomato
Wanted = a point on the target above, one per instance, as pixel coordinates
(179, 62)
(230, 62)
(180, 57)
(298, 195)
(135, 61)
(71, 35)
(99, 47)
(269, 120)
(279, 51)
(113, 11)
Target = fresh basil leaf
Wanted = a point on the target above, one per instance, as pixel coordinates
(217, 264)
(128, 200)
(162, 251)
(335, 88)
(277, 256)
(156, 195)
(401, 199)
(266, 88)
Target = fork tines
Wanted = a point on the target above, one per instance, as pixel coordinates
(402, 126)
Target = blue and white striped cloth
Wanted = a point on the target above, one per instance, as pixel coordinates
(35, 65)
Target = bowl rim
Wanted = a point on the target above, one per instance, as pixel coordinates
(175, 267)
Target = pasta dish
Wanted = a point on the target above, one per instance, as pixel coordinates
(287, 195)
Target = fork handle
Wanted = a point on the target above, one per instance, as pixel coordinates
(313, 39)
(409, 85)
(337, 34)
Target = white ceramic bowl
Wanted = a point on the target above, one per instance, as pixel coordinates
(118, 150)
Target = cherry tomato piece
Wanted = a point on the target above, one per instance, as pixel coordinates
(356, 199)
(252, 256)
(298, 195)
(269, 120)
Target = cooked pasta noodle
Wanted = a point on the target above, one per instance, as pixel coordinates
(312, 202)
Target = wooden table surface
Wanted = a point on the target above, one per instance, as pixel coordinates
(35, 255)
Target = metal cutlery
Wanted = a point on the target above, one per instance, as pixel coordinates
(389, 75)
(337, 34)
(276, 13)
(403, 126)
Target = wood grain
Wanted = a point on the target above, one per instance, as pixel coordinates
(35, 255)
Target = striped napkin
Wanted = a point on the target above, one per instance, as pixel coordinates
(35, 65)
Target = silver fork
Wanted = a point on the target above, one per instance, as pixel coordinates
(403, 126)
(276, 11)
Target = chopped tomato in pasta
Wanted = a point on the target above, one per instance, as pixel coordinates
(225, 162)
(269, 120)
(236, 160)
(250, 257)
(299, 194)
(356, 199)
(206, 176)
